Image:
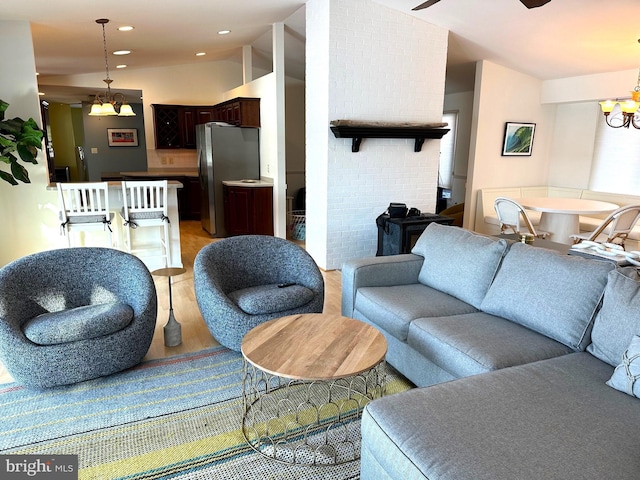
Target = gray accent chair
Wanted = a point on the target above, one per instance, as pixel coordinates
(237, 284)
(74, 314)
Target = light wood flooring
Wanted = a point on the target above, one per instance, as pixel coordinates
(195, 335)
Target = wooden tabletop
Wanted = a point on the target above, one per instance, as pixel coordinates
(573, 206)
(314, 346)
(169, 272)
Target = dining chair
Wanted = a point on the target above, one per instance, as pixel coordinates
(511, 214)
(145, 205)
(84, 207)
(615, 228)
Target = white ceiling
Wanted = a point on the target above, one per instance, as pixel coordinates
(561, 39)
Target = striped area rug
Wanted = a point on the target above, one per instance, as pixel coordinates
(151, 389)
(176, 418)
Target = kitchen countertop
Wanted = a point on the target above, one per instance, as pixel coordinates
(163, 172)
(247, 183)
(118, 184)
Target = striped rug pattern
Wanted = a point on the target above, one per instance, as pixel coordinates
(151, 389)
(159, 432)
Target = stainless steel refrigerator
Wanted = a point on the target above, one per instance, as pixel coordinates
(224, 153)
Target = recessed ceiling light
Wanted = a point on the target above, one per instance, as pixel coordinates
(121, 66)
(224, 32)
(201, 54)
(126, 28)
(122, 52)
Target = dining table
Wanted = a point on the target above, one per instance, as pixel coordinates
(561, 216)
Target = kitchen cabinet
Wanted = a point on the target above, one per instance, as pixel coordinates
(192, 116)
(241, 111)
(192, 199)
(248, 210)
(175, 125)
(166, 123)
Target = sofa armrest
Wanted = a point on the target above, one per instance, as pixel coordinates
(377, 272)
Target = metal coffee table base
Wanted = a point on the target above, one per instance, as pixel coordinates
(307, 422)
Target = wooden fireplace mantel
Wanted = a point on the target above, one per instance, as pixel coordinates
(358, 131)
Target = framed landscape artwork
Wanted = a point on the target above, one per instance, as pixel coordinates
(122, 137)
(518, 139)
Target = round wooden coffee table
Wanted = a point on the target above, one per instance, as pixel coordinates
(306, 380)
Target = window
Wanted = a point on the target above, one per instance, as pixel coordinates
(616, 167)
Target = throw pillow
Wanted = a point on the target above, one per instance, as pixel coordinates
(617, 321)
(458, 262)
(626, 375)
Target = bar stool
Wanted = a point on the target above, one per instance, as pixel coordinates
(84, 207)
(145, 205)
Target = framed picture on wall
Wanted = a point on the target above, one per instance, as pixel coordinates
(122, 137)
(518, 139)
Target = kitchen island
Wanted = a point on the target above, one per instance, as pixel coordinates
(189, 197)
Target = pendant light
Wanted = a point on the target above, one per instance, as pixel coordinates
(108, 104)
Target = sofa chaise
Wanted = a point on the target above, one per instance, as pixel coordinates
(515, 349)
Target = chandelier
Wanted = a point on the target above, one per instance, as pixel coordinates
(108, 104)
(627, 111)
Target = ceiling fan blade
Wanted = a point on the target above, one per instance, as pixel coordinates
(427, 4)
(534, 3)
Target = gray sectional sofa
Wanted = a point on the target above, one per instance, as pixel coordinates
(515, 347)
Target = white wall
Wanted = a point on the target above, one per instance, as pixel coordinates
(589, 87)
(28, 212)
(360, 68)
(572, 144)
(503, 95)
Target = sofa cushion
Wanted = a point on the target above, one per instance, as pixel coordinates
(626, 375)
(554, 419)
(265, 299)
(80, 323)
(394, 308)
(476, 343)
(551, 293)
(458, 262)
(618, 320)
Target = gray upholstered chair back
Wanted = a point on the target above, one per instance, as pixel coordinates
(58, 280)
(237, 263)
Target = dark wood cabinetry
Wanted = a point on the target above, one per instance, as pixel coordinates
(248, 210)
(192, 200)
(192, 116)
(166, 122)
(175, 125)
(241, 111)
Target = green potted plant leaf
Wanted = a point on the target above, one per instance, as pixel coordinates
(23, 138)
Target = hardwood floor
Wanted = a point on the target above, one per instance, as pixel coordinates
(195, 335)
